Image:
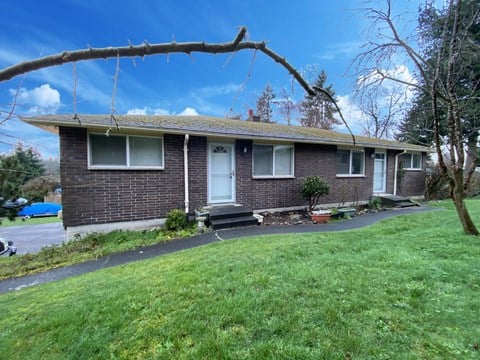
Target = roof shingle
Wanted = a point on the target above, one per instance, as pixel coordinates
(213, 126)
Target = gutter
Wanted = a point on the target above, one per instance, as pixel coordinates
(396, 171)
(185, 171)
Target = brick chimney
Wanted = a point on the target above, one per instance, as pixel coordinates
(250, 115)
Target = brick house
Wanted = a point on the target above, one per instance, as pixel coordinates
(132, 170)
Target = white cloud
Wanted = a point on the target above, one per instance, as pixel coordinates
(351, 113)
(160, 111)
(400, 72)
(148, 111)
(43, 96)
(40, 100)
(189, 111)
(137, 111)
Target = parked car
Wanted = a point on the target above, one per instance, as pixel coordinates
(7, 248)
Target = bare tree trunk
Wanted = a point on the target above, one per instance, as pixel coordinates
(457, 149)
(458, 198)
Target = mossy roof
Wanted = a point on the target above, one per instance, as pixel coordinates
(213, 127)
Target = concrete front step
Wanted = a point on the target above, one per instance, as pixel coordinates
(228, 216)
(228, 211)
(396, 201)
(233, 222)
(404, 204)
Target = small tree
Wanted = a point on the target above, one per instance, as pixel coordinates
(313, 188)
(286, 106)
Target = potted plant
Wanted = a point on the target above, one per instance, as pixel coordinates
(313, 188)
(347, 212)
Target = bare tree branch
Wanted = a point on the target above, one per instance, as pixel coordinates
(14, 104)
(146, 49)
(440, 80)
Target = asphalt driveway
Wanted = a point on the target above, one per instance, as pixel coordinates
(31, 238)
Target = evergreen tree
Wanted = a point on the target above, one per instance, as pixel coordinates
(318, 111)
(264, 104)
(16, 169)
(418, 125)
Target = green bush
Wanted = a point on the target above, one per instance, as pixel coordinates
(314, 187)
(176, 220)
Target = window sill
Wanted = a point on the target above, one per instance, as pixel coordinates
(104, 167)
(412, 169)
(351, 176)
(273, 177)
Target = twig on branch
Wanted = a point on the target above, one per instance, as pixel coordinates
(14, 104)
(114, 91)
(74, 91)
(242, 87)
(115, 83)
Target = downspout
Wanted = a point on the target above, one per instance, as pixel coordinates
(396, 171)
(185, 171)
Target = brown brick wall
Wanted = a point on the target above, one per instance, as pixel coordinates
(310, 159)
(412, 183)
(197, 170)
(103, 196)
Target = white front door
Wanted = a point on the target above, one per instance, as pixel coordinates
(379, 173)
(221, 172)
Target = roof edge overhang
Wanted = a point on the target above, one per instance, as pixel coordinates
(53, 126)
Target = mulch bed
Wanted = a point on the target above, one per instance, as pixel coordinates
(296, 217)
(286, 218)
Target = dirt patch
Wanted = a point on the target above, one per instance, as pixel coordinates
(286, 218)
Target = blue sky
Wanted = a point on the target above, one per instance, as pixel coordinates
(309, 33)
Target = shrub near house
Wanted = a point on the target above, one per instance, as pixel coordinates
(313, 188)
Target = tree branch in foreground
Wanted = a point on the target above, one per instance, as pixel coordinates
(146, 49)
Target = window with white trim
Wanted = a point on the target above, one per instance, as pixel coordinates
(125, 152)
(350, 162)
(272, 160)
(412, 161)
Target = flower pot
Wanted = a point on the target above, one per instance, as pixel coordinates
(320, 218)
(347, 212)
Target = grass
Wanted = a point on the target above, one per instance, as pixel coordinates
(91, 247)
(407, 288)
(4, 222)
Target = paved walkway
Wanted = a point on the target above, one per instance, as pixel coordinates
(194, 241)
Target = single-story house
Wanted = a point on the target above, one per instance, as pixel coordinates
(133, 169)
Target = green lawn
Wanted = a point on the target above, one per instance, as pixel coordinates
(407, 288)
(4, 222)
(91, 247)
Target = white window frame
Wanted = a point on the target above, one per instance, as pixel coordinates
(362, 174)
(274, 176)
(127, 145)
(409, 164)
